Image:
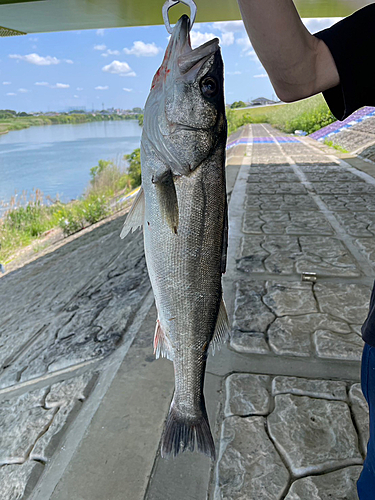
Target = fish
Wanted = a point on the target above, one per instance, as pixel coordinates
(182, 206)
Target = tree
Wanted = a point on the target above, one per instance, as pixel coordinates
(134, 170)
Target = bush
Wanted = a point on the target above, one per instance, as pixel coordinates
(134, 170)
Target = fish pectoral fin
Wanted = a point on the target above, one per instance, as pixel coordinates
(136, 214)
(222, 329)
(162, 347)
(168, 202)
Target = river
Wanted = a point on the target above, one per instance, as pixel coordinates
(57, 158)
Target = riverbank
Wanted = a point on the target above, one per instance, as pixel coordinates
(110, 190)
(10, 121)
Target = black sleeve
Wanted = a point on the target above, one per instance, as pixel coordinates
(352, 45)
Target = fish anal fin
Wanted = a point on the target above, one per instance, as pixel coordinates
(222, 329)
(136, 215)
(162, 346)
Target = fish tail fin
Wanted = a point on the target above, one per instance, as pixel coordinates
(183, 432)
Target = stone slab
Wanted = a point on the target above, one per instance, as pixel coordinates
(353, 203)
(290, 298)
(292, 334)
(281, 222)
(249, 465)
(338, 485)
(332, 345)
(291, 254)
(358, 223)
(247, 394)
(346, 301)
(251, 314)
(57, 324)
(343, 188)
(283, 202)
(361, 415)
(17, 481)
(313, 434)
(31, 422)
(326, 389)
(275, 188)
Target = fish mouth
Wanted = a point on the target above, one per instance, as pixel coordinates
(182, 51)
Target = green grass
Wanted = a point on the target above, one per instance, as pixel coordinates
(335, 146)
(28, 220)
(308, 115)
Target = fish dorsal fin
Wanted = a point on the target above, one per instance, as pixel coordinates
(136, 214)
(162, 346)
(222, 329)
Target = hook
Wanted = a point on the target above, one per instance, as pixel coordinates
(170, 3)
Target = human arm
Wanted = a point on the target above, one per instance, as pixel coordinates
(299, 64)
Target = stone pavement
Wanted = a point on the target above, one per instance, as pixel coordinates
(303, 262)
(82, 401)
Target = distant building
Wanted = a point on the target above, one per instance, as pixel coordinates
(261, 101)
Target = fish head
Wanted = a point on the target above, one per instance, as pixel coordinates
(185, 112)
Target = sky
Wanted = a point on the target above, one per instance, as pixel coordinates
(96, 69)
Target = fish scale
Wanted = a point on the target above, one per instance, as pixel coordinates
(183, 210)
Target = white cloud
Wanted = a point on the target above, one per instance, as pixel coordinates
(315, 24)
(262, 75)
(141, 49)
(110, 52)
(228, 26)
(79, 88)
(36, 59)
(247, 48)
(100, 47)
(234, 72)
(76, 96)
(11, 93)
(33, 39)
(60, 86)
(127, 90)
(42, 84)
(198, 38)
(119, 68)
(227, 38)
(68, 61)
(23, 91)
(7, 83)
(100, 87)
(100, 32)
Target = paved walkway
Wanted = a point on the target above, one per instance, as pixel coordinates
(82, 401)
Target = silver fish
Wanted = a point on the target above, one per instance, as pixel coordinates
(183, 210)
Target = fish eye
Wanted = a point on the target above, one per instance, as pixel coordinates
(209, 86)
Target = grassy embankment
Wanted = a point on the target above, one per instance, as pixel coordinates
(308, 115)
(11, 121)
(23, 224)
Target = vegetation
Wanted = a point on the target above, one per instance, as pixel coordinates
(308, 115)
(10, 120)
(30, 218)
(238, 104)
(336, 146)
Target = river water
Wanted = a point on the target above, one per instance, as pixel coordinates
(57, 158)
